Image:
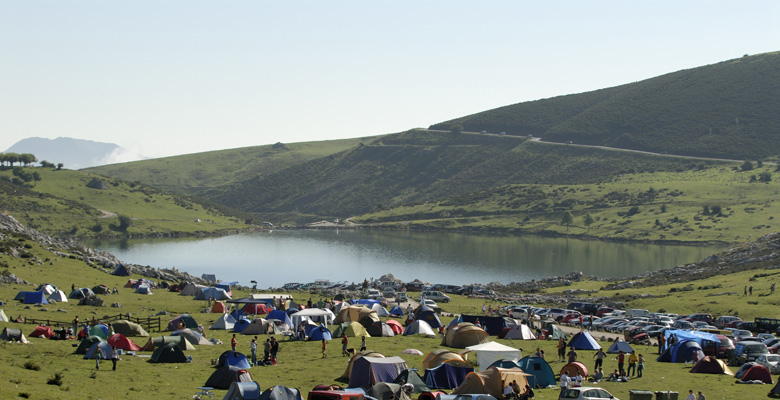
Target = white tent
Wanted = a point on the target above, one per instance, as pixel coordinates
(226, 322)
(58, 296)
(419, 327)
(193, 337)
(190, 289)
(46, 288)
(490, 352)
(317, 315)
(380, 311)
(522, 332)
(3, 317)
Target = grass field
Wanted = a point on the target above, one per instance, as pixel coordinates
(653, 206)
(300, 365)
(61, 203)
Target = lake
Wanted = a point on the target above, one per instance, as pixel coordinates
(274, 258)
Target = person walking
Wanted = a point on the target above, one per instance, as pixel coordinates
(750, 293)
(344, 344)
(324, 348)
(274, 350)
(599, 356)
(233, 343)
(640, 369)
(632, 360)
(363, 343)
(253, 350)
(621, 359)
(114, 357)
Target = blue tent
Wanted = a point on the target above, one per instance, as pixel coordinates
(428, 315)
(241, 324)
(35, 298)
(99, 349)
(20, 295)
(704, 339)
(681, 352)
(318, 332)
(281, 316)
(233, 359)
(237, 313)
(584, 341)
(619, 346)
(223, 286)
(366, 302)
(397, 311)
(542, 373)
(492, 325)
(445, 376)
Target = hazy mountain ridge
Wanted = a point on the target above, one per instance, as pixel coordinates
(73, 153)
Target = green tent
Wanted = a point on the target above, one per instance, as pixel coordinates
(86, 343)
(554, 332)
(351, 329)
(168, 353)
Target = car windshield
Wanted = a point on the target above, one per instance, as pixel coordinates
(773, 358)
(571, 394)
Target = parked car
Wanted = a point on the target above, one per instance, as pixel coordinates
(586, 393)
(681, 324)
(604, 310)
(400, 297)
(766, 336)
(771, 361)
(435, 295)
(724, 349)
(373, 294)
(748, 351)
(724, 320)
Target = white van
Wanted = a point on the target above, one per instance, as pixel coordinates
(638, 312)
(436, 296)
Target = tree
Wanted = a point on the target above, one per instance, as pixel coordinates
(746, 166)
(567, 219)
(456, 128)
(588, 221)
(765, 177)
(59, 166)
(46, 164)
(124, 223)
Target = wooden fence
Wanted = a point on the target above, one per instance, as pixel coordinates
(150, 324)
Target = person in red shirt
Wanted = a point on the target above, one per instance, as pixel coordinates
(621, 360)
(233, 343)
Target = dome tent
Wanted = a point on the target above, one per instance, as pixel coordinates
(367, 371)
(243, 391)
(419, 327)
(541, 373)
(168, 353)
(520, 332)
(193, 337)
(711, 365)
(463, 335)
(319, 333)
(224, 377)
(86, 343)
(224, 322)
(182, 321)
(121, 341)
(574, 368)
(446, 376)
(618, 346)
(233, 359)
(491, 381)
(441, 356)
(100, 350)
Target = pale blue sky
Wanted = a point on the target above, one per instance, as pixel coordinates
(170, 77)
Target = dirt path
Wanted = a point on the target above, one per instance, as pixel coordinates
(106, 214)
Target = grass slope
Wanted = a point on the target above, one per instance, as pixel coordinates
(61, 203)
(666, 206)
(724, 110)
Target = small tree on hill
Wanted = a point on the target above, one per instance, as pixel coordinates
(765, 177)
(567, 219)
(588, 221)
(746, 166)
(456, 128)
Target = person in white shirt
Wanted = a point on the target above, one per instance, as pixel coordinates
(509, 391)
(691, 396)
(566, 381)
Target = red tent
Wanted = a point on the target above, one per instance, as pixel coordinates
(395, 326)
(573, 368)
(256, 309)
(121, 341)
(219, 307)
(130, 283)
(757, 373)
(42, 331)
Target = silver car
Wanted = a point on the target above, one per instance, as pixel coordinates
(771, 361)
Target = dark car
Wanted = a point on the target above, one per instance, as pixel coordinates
(704, 317)
(724, 350)
(585, 308)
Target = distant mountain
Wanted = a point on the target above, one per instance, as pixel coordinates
(74, 153)
(728, 109)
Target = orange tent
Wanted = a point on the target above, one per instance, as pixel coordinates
(256, 309)
(395, 326)
(573, 368)
(42, 331)
(219, 307)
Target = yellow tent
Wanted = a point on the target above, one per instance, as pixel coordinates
(438, 357)
(463, 335)
(492, 381)
(351, 329)
(355, 314)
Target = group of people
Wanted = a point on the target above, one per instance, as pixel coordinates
(270, 350)
(512, 391)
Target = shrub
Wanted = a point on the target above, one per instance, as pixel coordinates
(55, 380)
(31, 366)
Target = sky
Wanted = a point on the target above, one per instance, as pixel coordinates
(172, 77)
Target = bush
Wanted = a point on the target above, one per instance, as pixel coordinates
(31, 366)
(55, 380)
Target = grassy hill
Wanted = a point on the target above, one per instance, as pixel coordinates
(192, 173)
(63, 203)
(718, 204)
(419, 165)
(726, 110)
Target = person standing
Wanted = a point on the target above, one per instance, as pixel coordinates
(344, 344)
(509, 392)
(363, 343)
(565, 381)
(572, 355)
(691, 396)
(640, 369)
(632, 360)
(661, 342)
(114, 357)
(267, 350)
(233, 343)
(599, 356)
(253, 350)
(701, 396)
(561, 349)
(621, 359)
(750, 293)
(324, 348)
(274, 349)
(539, 353)
(76, 325)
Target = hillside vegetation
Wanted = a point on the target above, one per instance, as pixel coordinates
(82, 204)
(726, 110)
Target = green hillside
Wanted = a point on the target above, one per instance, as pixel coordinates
(728, 109)
(419, 165)
(62, 203)
(192, 173)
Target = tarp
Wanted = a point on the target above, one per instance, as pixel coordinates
(618, 346)
(184, 319)
(168, 353)
(584, 341)
(233, 359)
(574, 368)
(520, 332)
(42, 331)
(682, 352)
(121, 341)
(243, 391)
(281, 393)
(35, 298)
(365, 302)
(58, 297)
(128, 328)
(491, 381)
(419, 327)
(223, 377)
(100, 350)
(493, 325)
(704, 339)
(441, 356)
(317, 315)
(427, 314)
(488, 353)
(367, 371)
(711, 365)
(446, 376)
(541, 373)
(224, 322)
(463, 335)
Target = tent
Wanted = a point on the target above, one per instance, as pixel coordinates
(219, 307)
(128, 328)
(584, 341)
(168, 353)
(86, 343)
(46, 288)
(258, 326)
(554, 332)
(755, 372)
(446, 376)
(775, 392)
(35, 298)
(380, 329)
(42, 331)
(101, 289)
(317, 315)
(493, 325)
(574, 368)
(282, 316)
(541, 373)
(254, 308)
(233, 359)
(159, 341)
(143, 289)
(121, 341)
(241, 324)
(100, 350)
(438, 357)
(348, 371)
(279, 392)
(703, 339)
(243, 391)
(191, 336)
(191, 289)
(367, 371)
(491, 381)
(57, 297)
(354, 313)
(13, 335)
(411, 377)
(618, 346)
(319, 333)
(520, 332)
(387, 391)
(711, 365)
(679, 352)
(211, 293)
(397, 311)
(419, 327)
(3, 317)
(380, 311)
(224, 322)
(427, 314)
(368, 303)
(351, 329)
(223, 377)
(120, 270)
(489, 352)
(184, 319)
(395, 326)
(81, 293)
(100, 330)
(463, 335)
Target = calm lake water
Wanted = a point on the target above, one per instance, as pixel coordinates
(274, 258)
